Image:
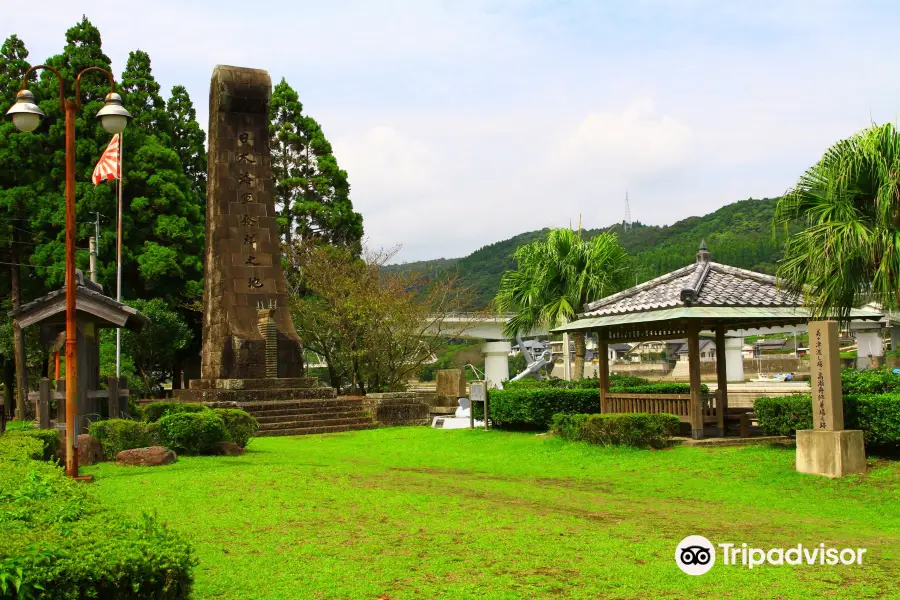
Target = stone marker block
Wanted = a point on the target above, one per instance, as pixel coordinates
(451, 383)
(830, 453)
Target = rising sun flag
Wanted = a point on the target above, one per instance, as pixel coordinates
(108, 167)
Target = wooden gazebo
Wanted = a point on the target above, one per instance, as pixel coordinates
(94, 311)
(705, 297)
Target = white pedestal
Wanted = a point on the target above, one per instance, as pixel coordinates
(734, 360)
(496, 362)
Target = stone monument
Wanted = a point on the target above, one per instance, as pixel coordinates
(247, 328)
(252, 356)
(828, 449)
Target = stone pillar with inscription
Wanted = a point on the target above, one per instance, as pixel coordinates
(828, 449)
(243, 256)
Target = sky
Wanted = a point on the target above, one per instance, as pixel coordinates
(465, 122)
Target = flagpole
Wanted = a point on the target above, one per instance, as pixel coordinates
(119, 258)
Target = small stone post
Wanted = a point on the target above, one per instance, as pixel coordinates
(61, 402)
(828, 449)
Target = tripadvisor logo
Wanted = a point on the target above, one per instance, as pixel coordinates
(695, 555)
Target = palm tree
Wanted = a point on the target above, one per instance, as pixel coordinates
(850, 202)
(554, 279)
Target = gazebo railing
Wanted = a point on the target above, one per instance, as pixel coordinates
(674, 404)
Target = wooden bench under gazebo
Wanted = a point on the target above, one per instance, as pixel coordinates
(705, 297)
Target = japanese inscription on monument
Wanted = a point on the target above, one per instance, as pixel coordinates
(828, 406)
(243, 256)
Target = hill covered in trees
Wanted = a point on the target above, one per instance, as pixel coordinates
(739, 234)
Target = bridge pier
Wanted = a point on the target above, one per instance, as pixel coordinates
(496, 362)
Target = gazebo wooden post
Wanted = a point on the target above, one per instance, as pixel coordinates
(603, 371)
(722, 379)
(696, 394)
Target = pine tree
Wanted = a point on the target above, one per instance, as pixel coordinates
(16, 173)
(188, 138)
(140, 93)
(312, 191)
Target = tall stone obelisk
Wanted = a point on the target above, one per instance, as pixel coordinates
(247, 328)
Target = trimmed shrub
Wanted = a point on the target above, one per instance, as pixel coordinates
(535, 407)
(877, 415)
(240, 426)
(116, 435)
(636, 429)
(872, 381)
(49, 439)
(192, 432)
(60, 542)
(153, 412)
(20, 448)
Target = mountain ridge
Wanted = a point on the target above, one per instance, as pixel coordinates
(738, 234)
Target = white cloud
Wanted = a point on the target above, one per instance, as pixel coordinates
(631, 143)
(461, 123)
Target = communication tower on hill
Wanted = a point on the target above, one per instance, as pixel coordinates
(626, 224)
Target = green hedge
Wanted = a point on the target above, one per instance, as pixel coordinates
(240, 426)
(535, 407)
(48, 438)
(637, 429)
(116, 435)
(871, 381)
(657, 388)
(154, 412)
(877, 415)
(59, 542)
(192, 432)
(20, 448)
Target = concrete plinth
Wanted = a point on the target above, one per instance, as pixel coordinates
(734, 360)
(830, 453)
(496, 362)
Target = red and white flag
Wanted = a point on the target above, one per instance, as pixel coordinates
(108, 167)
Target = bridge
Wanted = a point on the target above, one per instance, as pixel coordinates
(482, 326)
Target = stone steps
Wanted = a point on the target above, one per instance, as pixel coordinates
(315, 430)
(324, 404)
(296, 417)
(314, 422)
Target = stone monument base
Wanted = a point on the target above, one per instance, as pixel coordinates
(282, 405)
(830, 453)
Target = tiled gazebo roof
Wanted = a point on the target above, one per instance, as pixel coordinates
(701, 284)
(707, 292)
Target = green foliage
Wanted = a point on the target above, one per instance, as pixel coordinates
(154, 411)
(639, 430)
(659, 388)
(116, 435)
(49, 439)
(535, 407)
(155, 348)
(192, 433)
(877, 415)
(60, 543)
(312, 190)
(240, 426)
(739, 234)
(870, 381)
(849, 248)
(555, 277)
(164, 202)
(455, 356)
(20, 447)
(784, 415)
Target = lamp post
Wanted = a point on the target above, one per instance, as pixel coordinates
(26, 116)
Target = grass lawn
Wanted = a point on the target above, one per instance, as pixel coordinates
(421, 513)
